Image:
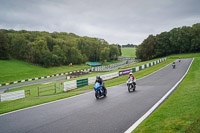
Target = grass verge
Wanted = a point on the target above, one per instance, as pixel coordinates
(128, 52)
(181, 111)
(8, 106)
(15, 70)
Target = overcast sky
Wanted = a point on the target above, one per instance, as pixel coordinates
(116, 21)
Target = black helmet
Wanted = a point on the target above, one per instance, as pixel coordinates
(97, 77)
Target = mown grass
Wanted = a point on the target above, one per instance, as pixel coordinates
(15, 70)
(181, 111)
(190, 55)
(139, 63)
(128, 52)
(111, 62)
(34, 100)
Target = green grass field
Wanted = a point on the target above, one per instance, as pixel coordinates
(14, 70)
(128, 52)
(33, 99)
(181, 111)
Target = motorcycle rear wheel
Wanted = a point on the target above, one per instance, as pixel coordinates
(105, 92)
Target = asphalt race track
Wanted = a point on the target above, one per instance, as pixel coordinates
(83, 113)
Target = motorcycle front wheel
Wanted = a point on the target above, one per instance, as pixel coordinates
(129, 88)
(97, 95)
(134, 86)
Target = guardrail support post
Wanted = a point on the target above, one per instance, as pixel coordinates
(55, 88)
(38, 91)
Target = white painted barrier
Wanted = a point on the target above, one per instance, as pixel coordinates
(110, 75)
(142, 66)
(69, 85)
(12, 95)
(137, 69)
(91, 80)
(115, 74)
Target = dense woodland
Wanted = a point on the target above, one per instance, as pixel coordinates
(54, 49)
(178, 40)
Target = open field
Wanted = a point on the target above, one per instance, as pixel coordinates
(128, 52)
(33, 100)
(180, 113)
(112, 62)
(14, 70)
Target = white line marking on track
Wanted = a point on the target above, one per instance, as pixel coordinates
(157, 104)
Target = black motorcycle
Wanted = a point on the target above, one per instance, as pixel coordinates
(99, 91)
(174, 66)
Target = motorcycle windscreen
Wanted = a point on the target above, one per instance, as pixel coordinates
(96, 86)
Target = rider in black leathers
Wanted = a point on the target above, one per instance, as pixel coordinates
(100, 80)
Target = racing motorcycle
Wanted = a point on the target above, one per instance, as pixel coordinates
(173, 65)
(131, 84)
(99, 91)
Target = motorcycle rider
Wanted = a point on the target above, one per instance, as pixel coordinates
(179, 59)
(173, 64)
(131, 75)
(100, 81)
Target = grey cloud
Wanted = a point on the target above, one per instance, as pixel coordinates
(117, 21)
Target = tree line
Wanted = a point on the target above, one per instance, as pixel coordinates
(54, 49)
(184, 39)
(129, 46)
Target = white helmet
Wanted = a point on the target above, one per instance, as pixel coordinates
(131, 73)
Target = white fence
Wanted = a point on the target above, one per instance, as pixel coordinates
(12, 95)
(110, 75)
(69, 85)
(91, 80)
